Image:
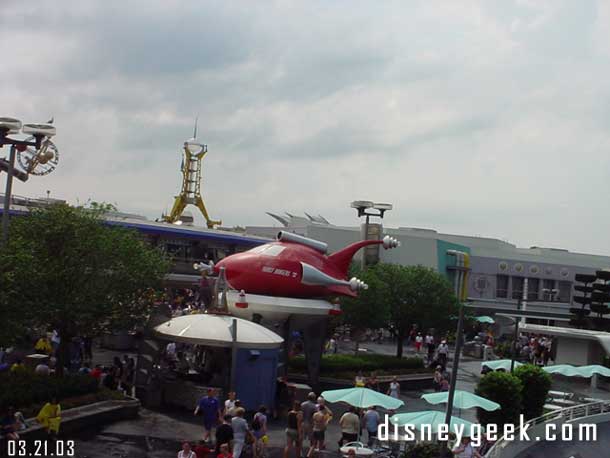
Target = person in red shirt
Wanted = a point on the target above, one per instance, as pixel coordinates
(224, 452)
(202, 450)
(96, 372)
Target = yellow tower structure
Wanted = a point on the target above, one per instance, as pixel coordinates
(190, 193)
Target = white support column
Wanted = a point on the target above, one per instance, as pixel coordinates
(524, 301)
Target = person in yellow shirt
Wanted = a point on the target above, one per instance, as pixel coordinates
(44, 346)
(359, 380)
(50, 416)
(18, 366)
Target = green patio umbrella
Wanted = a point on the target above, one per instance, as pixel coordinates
(462, 400)
(485, 319)
(362, 398)
(500, 364)
(578, 371)
(434, 418)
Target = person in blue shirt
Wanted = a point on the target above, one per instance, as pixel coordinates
(371, 422)
(210, 409)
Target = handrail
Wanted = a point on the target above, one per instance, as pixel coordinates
(569, 413)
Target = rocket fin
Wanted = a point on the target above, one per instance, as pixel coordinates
(342, 258)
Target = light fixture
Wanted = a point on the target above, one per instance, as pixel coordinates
(48, 130)
(10, 125)
(358, 204)
(37, 155)
(380, 206)
(375, 209)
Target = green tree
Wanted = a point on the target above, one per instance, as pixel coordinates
(415, 295)
(74, 273)
(536, 385)
(369, 309)
(505, 389)
(14, 267)
(401, 296)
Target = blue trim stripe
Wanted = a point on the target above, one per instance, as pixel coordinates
(176, 231)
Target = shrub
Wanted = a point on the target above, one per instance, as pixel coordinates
(25, 388)
(504, 349)
(536, 385)
(425, 450)
(505, 389)
(332, 364)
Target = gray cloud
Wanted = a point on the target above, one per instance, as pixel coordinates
(479, 117)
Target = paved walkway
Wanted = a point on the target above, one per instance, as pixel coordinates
(156, 434)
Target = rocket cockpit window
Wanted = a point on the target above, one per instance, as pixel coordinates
(273, 250)
(268, 250)
(259, 249)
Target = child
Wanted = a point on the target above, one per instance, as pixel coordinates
(224, 452)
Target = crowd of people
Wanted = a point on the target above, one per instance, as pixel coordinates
(434, 348)
(78, 360)
(12, 422)
(186, 301)
(226, 432)
(119, 376)
(535, 349)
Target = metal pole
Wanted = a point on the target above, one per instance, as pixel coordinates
(454, 368)
(515, 337)
(366, 237)
(7, 196)
(233, 352)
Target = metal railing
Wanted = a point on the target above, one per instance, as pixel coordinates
(31, 201)
(568, 414)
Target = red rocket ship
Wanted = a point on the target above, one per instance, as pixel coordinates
(296, 267)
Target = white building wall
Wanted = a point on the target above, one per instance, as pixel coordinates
(572, 351)
(412, 251)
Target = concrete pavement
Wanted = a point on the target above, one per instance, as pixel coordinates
(158, 434)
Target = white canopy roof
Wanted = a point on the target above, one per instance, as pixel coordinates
(215, 331)
(586, 334)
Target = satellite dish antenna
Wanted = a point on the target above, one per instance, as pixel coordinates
(39, 161)
(10, 125)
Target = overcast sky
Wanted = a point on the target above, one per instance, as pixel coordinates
(474, 117)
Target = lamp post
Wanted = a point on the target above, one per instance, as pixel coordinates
(37, 155)
(461, 293)
(367, 209)
(233, 327)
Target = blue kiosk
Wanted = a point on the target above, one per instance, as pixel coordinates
(254, 351)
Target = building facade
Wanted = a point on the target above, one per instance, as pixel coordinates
(500, 271)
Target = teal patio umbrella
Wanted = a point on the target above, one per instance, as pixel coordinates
(577, 371)
(434, 418)
(362, 398)
(500, 364)
(485, 319)
(462, 400)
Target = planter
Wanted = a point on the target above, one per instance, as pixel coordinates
(86, 417)
(407, 382)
